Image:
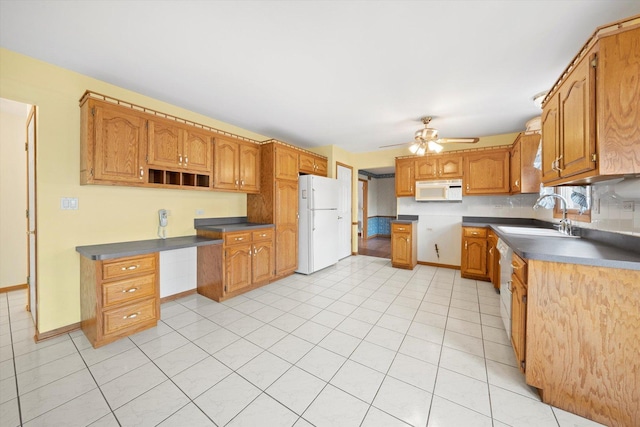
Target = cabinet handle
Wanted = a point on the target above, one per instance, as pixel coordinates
(400, 228)
(465, 245)
(517, 183)
(515, 267)
(558, 164)
(490, 251)
(263, 235)
(239, 238)
(186, 160)
(141, 172)
(237, 182)
(242, 183)
(467, 187)
(131, 267)
(475, 233)
(125, 291)
(131, 316)
(180, 159)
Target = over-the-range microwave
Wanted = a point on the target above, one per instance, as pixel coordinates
(445, 190)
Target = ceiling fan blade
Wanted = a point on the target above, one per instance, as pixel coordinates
(458, 140)
(395, 145)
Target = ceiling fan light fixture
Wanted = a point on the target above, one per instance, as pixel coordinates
(538, 98)
(414, 147)
(434, 146)
(421, 150)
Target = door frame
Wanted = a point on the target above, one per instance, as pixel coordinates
(353, 224)
(365, 206)
(32, 218)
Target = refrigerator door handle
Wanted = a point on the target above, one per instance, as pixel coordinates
(313, 220)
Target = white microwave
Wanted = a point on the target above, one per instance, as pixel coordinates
(446, 190)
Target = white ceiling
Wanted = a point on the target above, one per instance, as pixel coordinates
(357, 74)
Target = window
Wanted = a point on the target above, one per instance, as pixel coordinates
(579, 203)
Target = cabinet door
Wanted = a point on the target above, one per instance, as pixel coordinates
(405, 179)
(286, 249)
(450, 167)
(322, 167)
(249, 168)
(550, 140)
(165, 144)
(262, 264)
(487, 172)
(237, 267)
(306, 163)
(474, 257)
(196, 150)
(577, 138)
(286, 163)
(515, 167)
(120, 144)
(518, 320)
(401, 248)
(286, 222)
(225, 162)
(426, 167)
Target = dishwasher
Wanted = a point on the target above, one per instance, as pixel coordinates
(505, 284)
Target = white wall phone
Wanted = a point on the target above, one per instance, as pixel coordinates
(163, 221)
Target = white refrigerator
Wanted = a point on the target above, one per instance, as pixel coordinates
(318, 224)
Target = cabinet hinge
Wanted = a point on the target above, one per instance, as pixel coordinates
(26, 146)
(225, 288)
(28, 280)
(93, 111)
(27, 213)
(594, 61)
(91, 172)
(594, 157)
(146, 159)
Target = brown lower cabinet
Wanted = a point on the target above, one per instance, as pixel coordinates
(474, 253)
(404, 245)
(519, 310)
(118, 297)
(248, 262)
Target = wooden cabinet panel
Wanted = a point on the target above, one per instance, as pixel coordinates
(130, 317)
(405, 177)
(438, 167)
(226, 162)
(474, 253)
(129, 289)
(263, 262)
(404, 246)
(286, 249)
(306, 163)
(525, 178)
(450, 167)
(516, 158)
(550, 140)
(519, 320)
(126, 267)
(165, 144)
(237, 267)
(322, 166)
(249, 168)
(286, 163)
(197, 149)
(114, 144)
(486, 172)
(426, 168)
(286, 203)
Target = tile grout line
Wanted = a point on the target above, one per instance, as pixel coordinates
(13, 356)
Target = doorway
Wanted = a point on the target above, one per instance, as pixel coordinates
(344, 174)
(17, 188)
(363, 211)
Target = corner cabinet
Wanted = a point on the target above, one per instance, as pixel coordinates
(474, 253)
(405, 177)
(525, 178)
(404, 245)
(118, 297)
(486, 172)
(590, 119)
(113, 144)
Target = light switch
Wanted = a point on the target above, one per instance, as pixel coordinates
(69, 203)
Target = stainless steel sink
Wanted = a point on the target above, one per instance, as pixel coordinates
(534, 231)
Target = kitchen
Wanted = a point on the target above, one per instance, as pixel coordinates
(59, 273)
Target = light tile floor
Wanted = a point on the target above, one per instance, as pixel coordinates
(357, 344)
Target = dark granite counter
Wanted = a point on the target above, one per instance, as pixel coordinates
(227, 224)
(141, 247)
(405, 219)
(597, 248)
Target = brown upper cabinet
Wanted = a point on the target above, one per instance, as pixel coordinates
(176, 146)
(236, 165)
(405, 177)
(285, 162)
(486, 172)
(448, 166)
(524, 177)
(311, 164)
(113, 144)
(590, 119)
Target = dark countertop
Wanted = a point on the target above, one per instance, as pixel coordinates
(596, 248)
(141, 247)
(227, 224)
(405, 219)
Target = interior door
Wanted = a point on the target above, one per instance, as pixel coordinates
(344, 174)
(32, 300)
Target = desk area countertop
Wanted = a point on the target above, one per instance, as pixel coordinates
(141, 247)
(225, 225)
(596, 248)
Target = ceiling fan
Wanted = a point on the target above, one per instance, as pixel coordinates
(427, 140)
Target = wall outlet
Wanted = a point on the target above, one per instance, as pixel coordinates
(627, 206)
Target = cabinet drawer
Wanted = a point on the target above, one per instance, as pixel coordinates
(121, 267)
(474, 232)
(127, 290)
(129, 316)
(401, 228)
(264, 234)
(237, 237)
(519, 268)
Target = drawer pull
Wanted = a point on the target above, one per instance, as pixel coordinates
(124, 291)
(400, 228)
(475, 233)
(239, 238)
(515, 267)
(263, 235)
(131, 267)
(131, 316)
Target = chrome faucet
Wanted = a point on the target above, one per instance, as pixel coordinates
(565, 224)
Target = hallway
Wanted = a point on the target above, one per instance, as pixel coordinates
(379, 247)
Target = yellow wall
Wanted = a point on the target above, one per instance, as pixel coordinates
(13, 193)
(105, 214)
